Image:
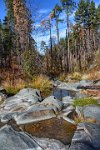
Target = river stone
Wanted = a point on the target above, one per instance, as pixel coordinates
(56, 83)
(25, 97)
(86, 137)
(74, 86)
(13, 140)
(52, 101)
(34, 114)
(67, 100)
(53, 128)
(92, 111)
(29, 93)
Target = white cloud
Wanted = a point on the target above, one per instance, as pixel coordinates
(44, 11)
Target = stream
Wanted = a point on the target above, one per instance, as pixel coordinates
(53, 128)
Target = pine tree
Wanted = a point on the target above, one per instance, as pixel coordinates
(80, 13)
(68, 6)
(7, 41)
(56, 12)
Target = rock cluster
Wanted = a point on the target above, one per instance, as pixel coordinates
(28, 108)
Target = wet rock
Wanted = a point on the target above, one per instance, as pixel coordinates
(53, 128)
(86, 137)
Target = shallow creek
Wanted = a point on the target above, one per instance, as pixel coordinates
(52, 128)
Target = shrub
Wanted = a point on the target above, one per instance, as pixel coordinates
(62, 77)
(76, 76)
(85, 101)
(43, 84)
(12, 89)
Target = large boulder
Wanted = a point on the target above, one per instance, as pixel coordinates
(52, 101)
(36, 113)
(86, 137)
(74, 86)
(15, 140)
(19, 103)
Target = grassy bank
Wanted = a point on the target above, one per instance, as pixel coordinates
(85, 101)
(39, 82)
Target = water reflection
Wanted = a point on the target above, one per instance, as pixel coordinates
(60, 93)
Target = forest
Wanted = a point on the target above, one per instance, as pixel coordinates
(20, 55)
(49, 75)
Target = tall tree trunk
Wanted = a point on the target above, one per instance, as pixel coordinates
(68, 50)
(57, 29)
(50, 44)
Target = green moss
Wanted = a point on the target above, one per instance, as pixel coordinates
(85, 101)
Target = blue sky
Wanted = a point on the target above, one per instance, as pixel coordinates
(41, 10)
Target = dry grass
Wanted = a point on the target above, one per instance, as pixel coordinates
(71, 77)
(93, 75)
(63, 77)
(13, 88)
(77, 76)
(83, 119)
(42, 83)
(94, 71)
(13, 82)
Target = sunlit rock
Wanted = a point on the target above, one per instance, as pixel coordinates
(52, 101)
(67, 100)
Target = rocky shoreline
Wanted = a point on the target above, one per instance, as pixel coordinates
(29, 122)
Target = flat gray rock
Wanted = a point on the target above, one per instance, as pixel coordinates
(92, 111)
(67, 100)
(86, 137)
(52, 101)
(15, 140)
(51, 144)
(34, 114)
(74, 86)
